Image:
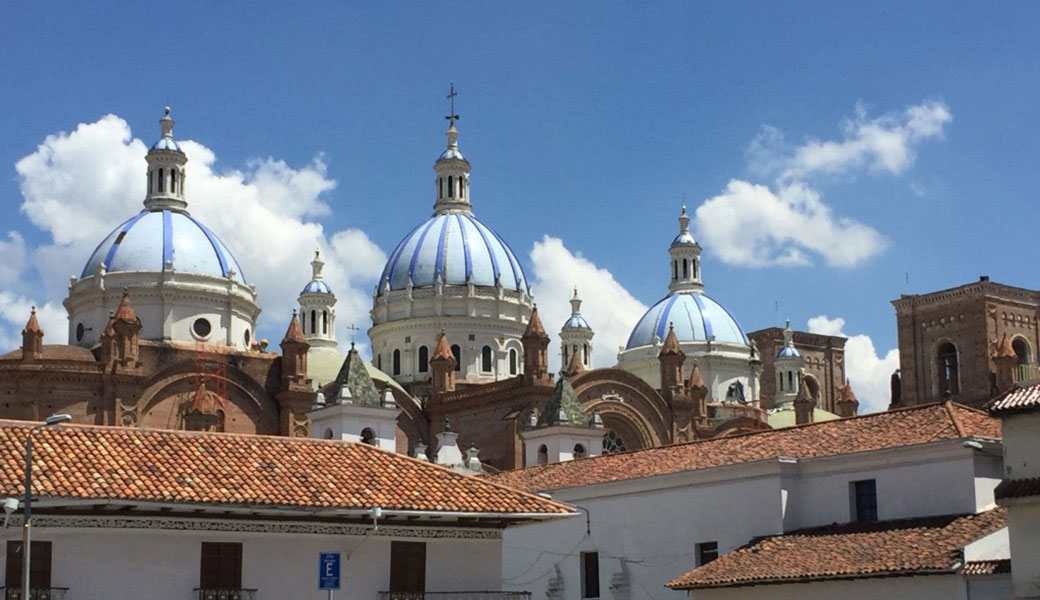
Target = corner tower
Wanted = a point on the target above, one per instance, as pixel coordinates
(576, 338)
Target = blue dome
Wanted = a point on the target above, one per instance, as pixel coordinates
(454, 245)
(696, 318)
(167, 144)
(684, 239)
(317, 287)
(577, 322)
(151, 239)
(788, 352)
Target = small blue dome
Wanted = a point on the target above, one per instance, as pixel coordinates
(577, 322)
(696, 318)
(167, 144)
(317, 287)
(684, 239)
(151, 239)
(788, 352)
(457, 246)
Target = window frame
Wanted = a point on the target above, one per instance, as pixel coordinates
(864, 501)
(705, 552)
(589, 566)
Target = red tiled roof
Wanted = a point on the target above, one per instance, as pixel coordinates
(1017, 488)
(1017, 400)
(856, 550)
(145, 465)
(987, 567)
(903, 427)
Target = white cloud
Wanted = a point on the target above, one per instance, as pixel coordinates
(755, 225)
(606, 304)
(752, 225)
(869, 372)
(78, 186)
(14, 314)
(12, 258)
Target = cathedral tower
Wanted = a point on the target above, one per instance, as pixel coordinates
(576, 337)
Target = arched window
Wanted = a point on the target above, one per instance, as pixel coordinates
(949, 380)
(151, 181)
(696, 266)
(790, 381)
(485, 359)
(173, 181)
(451, 186)
(379, 361)
(462, 187)
(564, 355)
(579, 451)
(675, 270)
(368, 436)
(543, 455)
(585, 355)
(328, 434)
(314, 321)
(457, 353)
(161, 176)
(814, 387)
(1021, 347)
(612, 443)
(424, 359)
(397, 362)
(780, 379)
(440, 187)
(512, 361)
(325, 322)
(685, 269)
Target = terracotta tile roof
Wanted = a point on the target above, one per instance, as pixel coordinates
(1017, 488)
(987, 567)
(125, 312)
(903, 427)
(696, 381)
(57, 352)
(671, 343)
(33, 326)
(1023, 399)
(906, 547)
(144, 465)
(443, 350)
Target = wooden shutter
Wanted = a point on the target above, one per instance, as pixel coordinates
(408, 567)
(221, 566)
(40, 569)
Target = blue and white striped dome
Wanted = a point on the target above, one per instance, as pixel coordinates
(788, 352)
(458, 247)
(577, 322)
(685, 238)
(317, 286)
(696, 318)
(151, 239)
(166, 143)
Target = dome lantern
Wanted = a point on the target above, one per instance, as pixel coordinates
(452, 182)
(166, 172)
(685, 257)
(318, 308)
(576, 337)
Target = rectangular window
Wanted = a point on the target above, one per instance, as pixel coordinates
(408, 567)
(221, 566)
(707, 552)
(864, 500)
(39, 568)
(590, 574)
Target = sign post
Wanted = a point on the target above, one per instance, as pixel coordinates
(328, 572)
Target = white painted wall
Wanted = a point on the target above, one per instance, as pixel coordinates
(130, 564)
(1022, 445)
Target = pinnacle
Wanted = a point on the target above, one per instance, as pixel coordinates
(295, 331)
(33, 326)
(671, 344)
(534, 327)
(443, 349)
(575, 366)
(125, 312)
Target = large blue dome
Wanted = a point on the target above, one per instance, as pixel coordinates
(150, 240)
(459, 248)
(695, 316)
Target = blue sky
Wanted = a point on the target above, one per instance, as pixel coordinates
(585, 122)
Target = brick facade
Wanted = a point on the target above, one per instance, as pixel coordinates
(824, 364)
(971, 318)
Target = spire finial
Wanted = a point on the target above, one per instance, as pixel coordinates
(352, 329)
(452, 117)
(684, 221)
(166, 123)
(316, 265)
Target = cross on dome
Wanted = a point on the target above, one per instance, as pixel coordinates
(452, 117)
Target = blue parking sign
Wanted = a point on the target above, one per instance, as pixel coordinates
(328, 571)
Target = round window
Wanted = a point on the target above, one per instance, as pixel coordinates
(202, 328)
(247, 338)
(80, 330)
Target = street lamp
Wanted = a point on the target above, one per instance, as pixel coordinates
(27, 508)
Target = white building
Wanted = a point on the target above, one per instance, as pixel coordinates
(128, 513)
(707, 332)
(654, 514)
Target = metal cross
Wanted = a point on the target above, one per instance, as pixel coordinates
(451, 96)
(352, 329)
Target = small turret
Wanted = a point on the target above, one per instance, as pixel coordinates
(804, 403)
(452, 182)
(442, 365)
(166, 172)
(787, 365)
(685, 257)
(318, 308)
(32, 338)
(848, 404)
(536, 354)
(576, 337)
(294, 356)
(671, 358)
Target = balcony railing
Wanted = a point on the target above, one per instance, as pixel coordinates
(486, 595)
(11, 593)
(224, 594)
(1027, 373)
